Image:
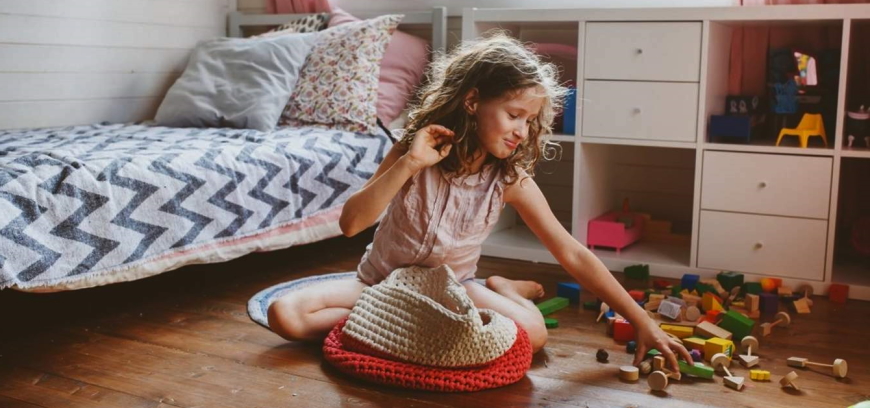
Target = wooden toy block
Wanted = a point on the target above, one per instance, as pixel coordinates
(604, 309)
(839, 367)
(678, 331)
(693, 313)
(657, 381)
(703, 288)
(638, 272)
(622, 330)
(552, 305)
(781, 318)
(716, 346)
(653, 353)
(752, 287)
(658, 363)
(748, 360)
(669, 309)
(629, 373)
(769, 303)
(690, 299)
(739, 303)
(637, 295)
(717, 287)
(802, 306)
(752, 302)
(656, 297)
(721, 361)
(645, 367)
(660, 284)
(689, 281)
(696, 370)
(838, 293)
(551, 323)
(735, 383)
(711, 302)
(713, 315)
(694, 343)
(783, 291)
(570, 291)
(707, 329)
(730, 280)
(788, 380)
(759, 375)
(739, 325)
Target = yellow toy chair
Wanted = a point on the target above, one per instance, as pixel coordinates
(811, 125)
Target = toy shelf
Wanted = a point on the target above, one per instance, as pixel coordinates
(852, 241)
(857, 121)
(747, 104)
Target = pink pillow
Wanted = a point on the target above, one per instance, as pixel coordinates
(402, 68)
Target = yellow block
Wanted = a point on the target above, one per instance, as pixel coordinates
(710, 303)
(716, 345)
(759, 375)
(695, 343)
(679, 331)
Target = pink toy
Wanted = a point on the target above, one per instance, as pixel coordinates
(607, 231)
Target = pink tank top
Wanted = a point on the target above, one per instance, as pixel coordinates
(435, 219)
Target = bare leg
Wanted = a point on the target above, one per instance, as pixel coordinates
(521, 292)
(311, 313)
(512, 305)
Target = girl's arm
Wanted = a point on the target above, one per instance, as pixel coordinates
(362, 209)
(586, 268)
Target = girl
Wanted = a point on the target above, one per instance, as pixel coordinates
(467, 150)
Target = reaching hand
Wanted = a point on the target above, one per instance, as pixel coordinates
(650, 336)
(431, 145)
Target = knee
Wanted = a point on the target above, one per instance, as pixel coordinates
(285, 319)
(533, 324)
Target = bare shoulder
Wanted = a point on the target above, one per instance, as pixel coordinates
(522, 187)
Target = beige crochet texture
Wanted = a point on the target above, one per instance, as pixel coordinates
(424, 316)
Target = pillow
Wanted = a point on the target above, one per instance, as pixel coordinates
(236, 82)
(402, 68)
(307, 24)
(338, 86)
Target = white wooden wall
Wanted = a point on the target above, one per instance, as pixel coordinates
(67, 62)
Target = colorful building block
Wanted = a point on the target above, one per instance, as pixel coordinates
(679, 331)
(638, 272)
(838, 293)
(739, 325)
(730, 279)
(689, 281)
(769, 303)
(716, 345)
(703, 288)
(697, 369)
(752, 287)
(551, 323)
(710, 301)
(697, 355)
(591, 305)
(661, 284)
(694, 343)
(759, 375)
(552, 305)
(710, 330)
(622, 330)
(637, 295)
(570, 291)
(669, 309)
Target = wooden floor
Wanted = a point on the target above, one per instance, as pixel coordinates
(183, 339)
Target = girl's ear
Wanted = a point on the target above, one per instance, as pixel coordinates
(471, 100)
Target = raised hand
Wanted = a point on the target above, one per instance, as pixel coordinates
(431, 145)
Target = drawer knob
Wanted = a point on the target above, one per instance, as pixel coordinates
(636, 111)
(762, 184)
(759, 245)
(639, 51)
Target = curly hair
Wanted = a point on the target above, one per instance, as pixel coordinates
(497, 66)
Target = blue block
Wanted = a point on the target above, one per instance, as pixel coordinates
(569, 290)
(569, 115)
(730, 126)
(610, 313)
(689, 281)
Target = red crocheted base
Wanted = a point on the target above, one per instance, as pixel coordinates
(507, 369)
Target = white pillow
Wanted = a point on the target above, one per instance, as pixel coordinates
(236, 82)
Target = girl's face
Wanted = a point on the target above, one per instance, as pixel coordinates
(503, 123)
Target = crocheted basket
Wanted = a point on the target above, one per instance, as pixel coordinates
(424, 316)
(504, 370)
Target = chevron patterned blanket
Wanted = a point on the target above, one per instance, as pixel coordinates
(90, 205)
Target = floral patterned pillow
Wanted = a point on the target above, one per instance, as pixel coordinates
(338, 85)
(307, 24)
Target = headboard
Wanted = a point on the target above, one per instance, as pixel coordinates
(437, 18)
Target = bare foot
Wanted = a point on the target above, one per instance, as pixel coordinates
(526, 289)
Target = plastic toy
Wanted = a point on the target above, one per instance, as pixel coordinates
(811, 125)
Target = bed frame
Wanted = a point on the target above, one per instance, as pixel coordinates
(437, 18)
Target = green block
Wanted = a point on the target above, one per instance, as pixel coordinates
(703, 288)
(697, 370)
(551, 305)
(551, 323)
(639, 272)
(653, 353)
(730, 279)
(593, 305)
(739, 325)
(752, 287)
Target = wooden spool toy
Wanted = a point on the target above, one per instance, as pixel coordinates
(721, 361)
(839, 368)
(781, 318)
(693, 313)
(788, 381)
(748, 360)
(807, 290)
(629, 373)
(658, 380)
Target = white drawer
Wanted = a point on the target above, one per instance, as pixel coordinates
(640, 110)
(792, 186)
(643, 51)
(778, 246)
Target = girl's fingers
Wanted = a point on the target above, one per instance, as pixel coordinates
(684, 352)
(445, 150)
(639, 354)
(671, 357)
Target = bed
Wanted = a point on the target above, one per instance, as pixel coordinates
(84, 206)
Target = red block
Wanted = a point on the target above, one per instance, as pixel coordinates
(661, 284)
(713, 315)
(637, 295)
(838, 293)
(623, 330)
